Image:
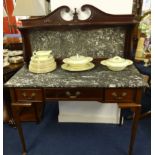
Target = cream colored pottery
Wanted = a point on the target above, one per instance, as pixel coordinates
(77, 60)
(6, 64)
(70, 68)
(5, 51)
(5, 58)
(79, 66)
(43, 63)
(41, 55)
(42, 66)
(116, 63)
(15, 53)
(36, 59)
(43, 70)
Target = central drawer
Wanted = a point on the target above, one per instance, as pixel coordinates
(74, 93)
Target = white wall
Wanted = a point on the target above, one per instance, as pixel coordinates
(108, 6)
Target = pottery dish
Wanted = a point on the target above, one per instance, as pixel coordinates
(77, 60)
(116, 63)
(77, 69)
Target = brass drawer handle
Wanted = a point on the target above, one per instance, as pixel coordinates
(68, 93)
(124, 94)
(120, 97)
(114, 94)
(28, 98)
(73, 96)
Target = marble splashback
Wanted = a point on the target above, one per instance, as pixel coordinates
(97, 43)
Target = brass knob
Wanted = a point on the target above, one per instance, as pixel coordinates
(68, 93)
(124, 94)
(73, 96)
(114, 94)
(33, 94)
(119, 97)
(77, 93)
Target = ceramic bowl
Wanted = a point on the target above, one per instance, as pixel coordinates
(77, 60)
(116, 63)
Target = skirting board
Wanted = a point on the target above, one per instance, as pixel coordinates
(88, 112)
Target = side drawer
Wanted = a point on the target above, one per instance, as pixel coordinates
(74, 93)
(33, 95)
(119, 95)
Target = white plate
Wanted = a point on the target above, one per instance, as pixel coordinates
(42, 66)
(69, 68)
(6, 64)
(15, 53)
(45, 70)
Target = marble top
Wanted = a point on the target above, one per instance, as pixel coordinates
(100, 76)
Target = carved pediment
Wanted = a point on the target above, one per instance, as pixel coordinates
(97, 17)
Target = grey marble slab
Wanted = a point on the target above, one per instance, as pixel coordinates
(97, 43)
(100, 76)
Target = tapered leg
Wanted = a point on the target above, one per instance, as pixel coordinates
(20, 131)
(136, 117)
(136, 108)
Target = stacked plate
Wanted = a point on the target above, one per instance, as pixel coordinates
(16, 56)
(77, 63)
(5, 58)
(42, 64)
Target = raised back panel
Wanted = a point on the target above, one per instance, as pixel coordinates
(97, 43)
(102, 35)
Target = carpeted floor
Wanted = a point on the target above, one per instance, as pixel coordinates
(53, 138)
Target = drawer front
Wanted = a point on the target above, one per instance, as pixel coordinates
(35, 95)
(74, 93)
(119, 95)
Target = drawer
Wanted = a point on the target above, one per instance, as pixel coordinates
(35, 95)
(74, 93)
(119, 95)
